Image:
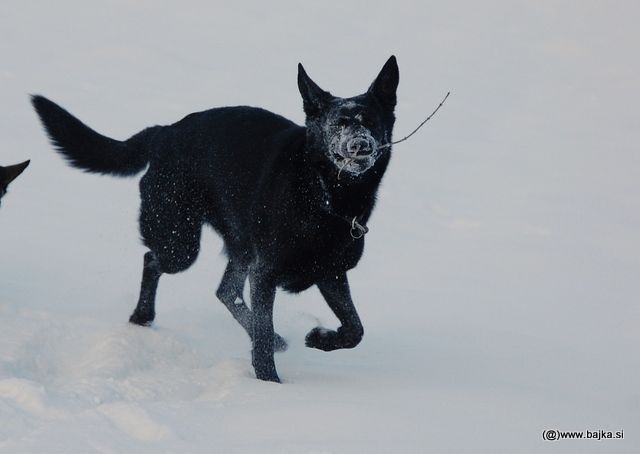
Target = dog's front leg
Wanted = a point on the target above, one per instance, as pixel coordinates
(263, 292)
(338, 296)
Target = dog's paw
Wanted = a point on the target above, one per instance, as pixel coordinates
(279, 344)
(323, 339)
(327, 340)
(141, 319)
(268, 376)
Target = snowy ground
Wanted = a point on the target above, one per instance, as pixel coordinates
(499, 285)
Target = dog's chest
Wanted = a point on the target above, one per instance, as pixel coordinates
(322, 248)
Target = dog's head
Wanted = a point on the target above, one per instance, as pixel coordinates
(10, 173)
(349, 132)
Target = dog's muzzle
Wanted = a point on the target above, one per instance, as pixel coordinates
(354, 153)
(360, 146)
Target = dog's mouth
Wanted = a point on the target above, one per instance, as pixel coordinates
(354, 166)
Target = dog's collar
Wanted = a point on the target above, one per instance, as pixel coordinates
(357, 230)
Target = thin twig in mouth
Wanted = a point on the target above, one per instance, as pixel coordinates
(386, 145)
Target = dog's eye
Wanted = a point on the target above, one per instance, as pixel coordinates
(368, 122)
(343, 121)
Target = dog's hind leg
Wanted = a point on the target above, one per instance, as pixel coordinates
(180, 251)
(338, 296)
(170, 225)
(145, 311)
(230, 293)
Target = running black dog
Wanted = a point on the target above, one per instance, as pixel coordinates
(290, 202)
(8, 174)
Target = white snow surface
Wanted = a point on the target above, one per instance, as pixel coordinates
(499, 286)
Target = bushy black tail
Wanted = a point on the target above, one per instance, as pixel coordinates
(84, 148)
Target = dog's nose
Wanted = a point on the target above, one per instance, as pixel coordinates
(359, 146)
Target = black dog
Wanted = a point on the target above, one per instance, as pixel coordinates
(10, 173)
(290, 202)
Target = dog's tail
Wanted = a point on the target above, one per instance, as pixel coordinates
(86, 149)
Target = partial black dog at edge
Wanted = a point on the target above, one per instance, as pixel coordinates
(290, 202)
(10, 173)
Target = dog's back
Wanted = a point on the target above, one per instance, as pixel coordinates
(226, 151)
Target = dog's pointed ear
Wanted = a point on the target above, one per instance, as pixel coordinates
(10, 173)
(385, 86)
(313, 97)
